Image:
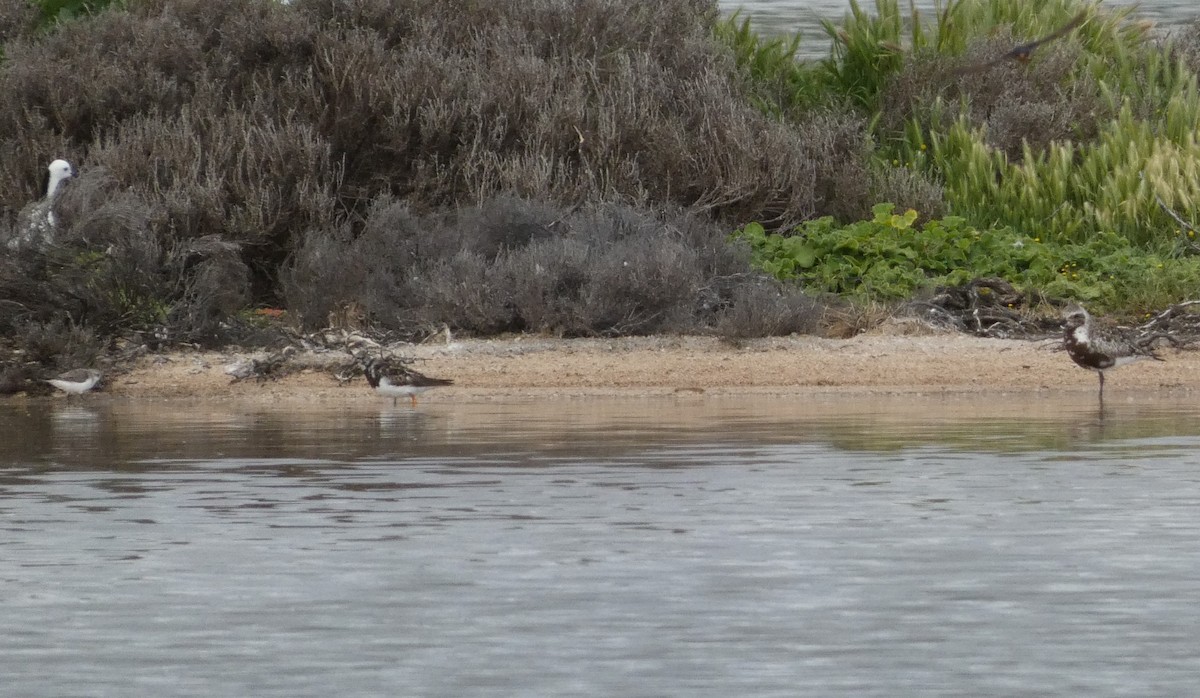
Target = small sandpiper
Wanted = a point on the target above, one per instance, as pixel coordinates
(398, 381)
(76, 382)
(1097, 351)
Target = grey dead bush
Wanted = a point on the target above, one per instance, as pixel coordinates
(240, 174)
(18, 18)
(762, 307)
(441, 103)
(1187, 45)
(87, 76)
(1014, 103)
(492, 166)
(45, 350)
(60, 344)
(909, 188)
(110, 269)
(514, 265)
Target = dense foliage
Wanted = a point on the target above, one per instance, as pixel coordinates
(400, 164)
(575, 168)
(1084, 148)
(892, 258)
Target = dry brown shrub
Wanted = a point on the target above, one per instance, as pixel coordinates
(909, 188)
(1187, 45)
(85, 77)
(110, 268)
(1015, 103)
(762, 307)
(18, 18)
(59, 345)
(443, 103)
(515, 265)
(391, 151)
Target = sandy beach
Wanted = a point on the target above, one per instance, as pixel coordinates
(885, 362)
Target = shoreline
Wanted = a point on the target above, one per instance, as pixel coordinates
(877, 363)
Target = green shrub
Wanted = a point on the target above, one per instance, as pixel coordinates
(892, 258)
(777, 82)
(1072, 189)
(53, 10)
(1087, 137)
(865, 51)
(888, 257)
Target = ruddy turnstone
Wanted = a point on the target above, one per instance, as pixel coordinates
(1097, 351)
(397, 381)
(76, 382)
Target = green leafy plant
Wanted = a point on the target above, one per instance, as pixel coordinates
(66, 9)
(866, 50)
(890, 257)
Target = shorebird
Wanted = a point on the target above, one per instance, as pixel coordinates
(1095, 350)
(76, 382)
(1023, 52)
(39, 218)
(398, 381)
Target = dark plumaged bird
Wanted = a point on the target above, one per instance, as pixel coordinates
(1023, 52)
(396, 381)
(1095, 350)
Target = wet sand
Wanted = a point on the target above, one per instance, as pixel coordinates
(880, 363)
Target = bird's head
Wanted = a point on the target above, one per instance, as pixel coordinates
(1075, 317)
(59, 171)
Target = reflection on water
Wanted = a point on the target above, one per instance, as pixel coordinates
(705, 545)
(99, 433)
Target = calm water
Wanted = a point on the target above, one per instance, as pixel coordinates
(790, 16)
(699, 546)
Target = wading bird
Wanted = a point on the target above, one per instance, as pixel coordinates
(1098, 351)
(76, 382)
(398, 381)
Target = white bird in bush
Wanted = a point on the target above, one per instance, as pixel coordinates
(39, 219)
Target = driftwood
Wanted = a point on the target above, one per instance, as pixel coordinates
(987, 307)
(273, 366)
(1175, 324)
(1191, 244)
(991, 307)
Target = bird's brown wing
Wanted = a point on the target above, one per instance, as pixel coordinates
(1023, 51)
(1061, 32)
(420, 380)
(78, 375)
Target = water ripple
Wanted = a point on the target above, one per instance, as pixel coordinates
(755, 546)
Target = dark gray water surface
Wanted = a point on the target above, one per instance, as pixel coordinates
(804, 16)
(700, 546)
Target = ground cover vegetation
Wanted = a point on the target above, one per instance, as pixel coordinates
(1058, 173)
(571, 168)
(568, 168)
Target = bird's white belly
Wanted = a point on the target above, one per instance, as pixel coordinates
(73, 388)
(390, 390)
(1122, 360)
